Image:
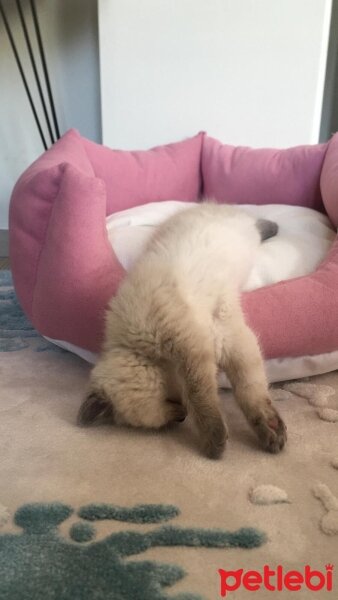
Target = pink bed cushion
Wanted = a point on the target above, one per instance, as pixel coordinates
(68, 149)
(77, 271)
(65, 270)
(263, 176)
(297, 317)
(30, 207)
(137, 177)
(329, 180)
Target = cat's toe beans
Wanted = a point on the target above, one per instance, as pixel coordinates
(273, 423)
(271, 432)
(275, 444)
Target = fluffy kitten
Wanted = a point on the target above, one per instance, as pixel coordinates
(175, 320)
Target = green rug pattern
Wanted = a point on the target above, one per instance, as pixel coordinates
(38, 563)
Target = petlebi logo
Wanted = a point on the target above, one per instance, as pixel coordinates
(276, 580)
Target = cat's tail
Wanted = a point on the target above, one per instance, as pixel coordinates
(188, 344)
(267, 229)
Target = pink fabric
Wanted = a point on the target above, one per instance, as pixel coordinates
(77, 271)
(299, 316)
(65, 270)
(162, 173)
(30, 209)
(243, 175)
(69, 149)
(31, 203)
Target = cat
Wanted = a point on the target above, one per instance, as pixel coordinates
(176, 320)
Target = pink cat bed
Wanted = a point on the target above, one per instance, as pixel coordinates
(65, 270)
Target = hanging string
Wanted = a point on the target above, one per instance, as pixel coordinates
(18, 62)
(44, 66)
(36, 74)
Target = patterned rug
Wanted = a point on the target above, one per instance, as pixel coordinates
(119, 514)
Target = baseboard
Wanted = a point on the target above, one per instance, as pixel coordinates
(4, 242)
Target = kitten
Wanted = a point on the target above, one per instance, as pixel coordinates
(175, 320)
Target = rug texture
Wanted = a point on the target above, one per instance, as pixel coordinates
(117, 514)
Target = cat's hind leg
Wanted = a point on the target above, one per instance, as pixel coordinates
(187, 343)
(238, 354)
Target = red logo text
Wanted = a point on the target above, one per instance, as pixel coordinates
(275, 580)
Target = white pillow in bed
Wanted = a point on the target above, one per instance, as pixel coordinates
(304, 238)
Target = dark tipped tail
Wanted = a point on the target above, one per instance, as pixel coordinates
(266, 228)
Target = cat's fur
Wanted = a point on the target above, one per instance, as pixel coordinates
(175, 320)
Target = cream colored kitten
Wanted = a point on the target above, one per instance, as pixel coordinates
(175, 320)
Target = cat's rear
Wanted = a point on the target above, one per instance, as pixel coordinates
(208, 248)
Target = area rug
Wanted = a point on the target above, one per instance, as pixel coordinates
(119, 514)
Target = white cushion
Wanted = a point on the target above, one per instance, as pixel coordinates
(304, 238)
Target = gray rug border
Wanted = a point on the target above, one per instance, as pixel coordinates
(4, 243)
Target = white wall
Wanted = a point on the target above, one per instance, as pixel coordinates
(247, 71)
(169, 69)
(69, 31)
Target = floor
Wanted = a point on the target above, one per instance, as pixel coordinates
(51, 464)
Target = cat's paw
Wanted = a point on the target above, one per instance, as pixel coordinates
(214, 438)
(270, 428)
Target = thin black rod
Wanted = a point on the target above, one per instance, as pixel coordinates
(44, 66)
(36, 74)
(18, 62)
